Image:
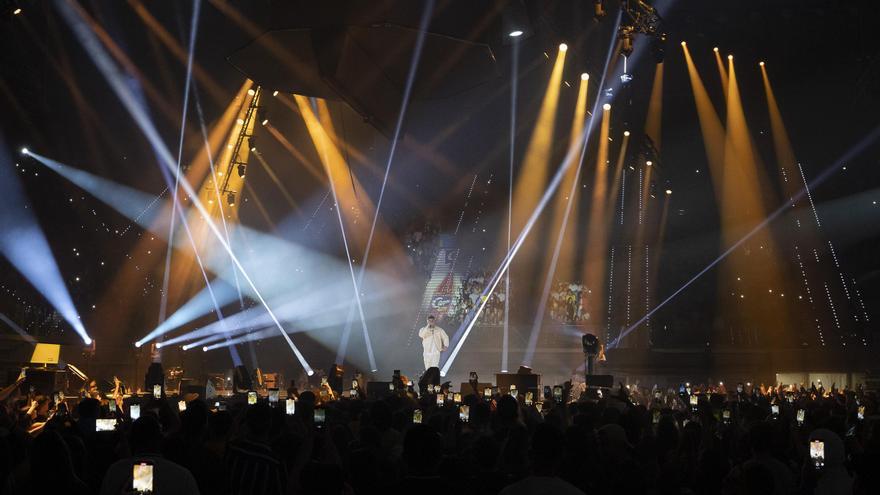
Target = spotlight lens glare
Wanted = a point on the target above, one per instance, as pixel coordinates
(669, 191)
(310, 372)
(761, 63)
(684, 43)
(649, 163)
(275, 93)
(626, 133)
(88, 340)
(730, 57)
(715, 49)
(606, 106)
(25, 151)
(205, 349)
(563, 47)
(138, 344)
(515, 33)
(251, 92)
(585, 76)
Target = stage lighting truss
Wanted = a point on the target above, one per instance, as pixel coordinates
(236, 164)
(639, 17)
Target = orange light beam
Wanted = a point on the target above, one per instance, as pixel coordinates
(561, 219)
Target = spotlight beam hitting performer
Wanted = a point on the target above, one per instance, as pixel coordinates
(434, 341)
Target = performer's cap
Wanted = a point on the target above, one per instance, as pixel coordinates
(431, 317)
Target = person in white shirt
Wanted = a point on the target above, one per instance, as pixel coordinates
(434, 341)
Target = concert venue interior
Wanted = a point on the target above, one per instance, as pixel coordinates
(259, 194)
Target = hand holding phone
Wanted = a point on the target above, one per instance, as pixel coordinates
(417, 416)
(142, 477)
(817, 453)
(252, 398)
(290, 407)
(134, 411)
(157, 391)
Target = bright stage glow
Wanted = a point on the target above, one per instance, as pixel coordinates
(625, 133)
(264, 122)
(24, 151)
(684, 43)
(585, 77)
(730, 57)
(606, 107)
(275, 93)
(77, 19)
(761, 63)
(16, 11)
(563, 47)
(515, 34)
(25, 246)
(251, 92)
(668, 192)
(649, 163)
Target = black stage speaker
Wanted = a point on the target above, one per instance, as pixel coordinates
(466, 388)
(154, 376)
(524, 383)
(45, 381)
(600, 381)
(241, 379)
(379, 390)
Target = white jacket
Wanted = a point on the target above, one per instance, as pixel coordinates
(433, 340)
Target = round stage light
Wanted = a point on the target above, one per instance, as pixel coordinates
(730, 57)
(205, 349)
(668, 192)
(563, 47)
(515, 33)
(649, 163)
(606, 107)
(25, 151)
(761, 63)
(251, 92)
(585, 76)
(715, 49)
(625, 133)
(138, 344)
(275, 93)
(684, 43)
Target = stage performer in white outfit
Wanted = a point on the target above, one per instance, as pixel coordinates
(434, 341)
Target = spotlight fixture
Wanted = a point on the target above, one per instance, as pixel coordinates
(649, 163)
(626, 41)
(730, 57)
(17, 11)
(668, 192)
(563, 47)
(205, 349)
(230, 198)
(606, 107)
(239, 121)
(684, 43)
(585, 77)
(625, 133)
(715, 49)
(515, 22)
(251, 92)
(265, 121)
(138, 344)
(242, 168)
(25, 151)
(275, 93)
(761, 63)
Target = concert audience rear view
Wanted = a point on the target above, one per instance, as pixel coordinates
(629, 440)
